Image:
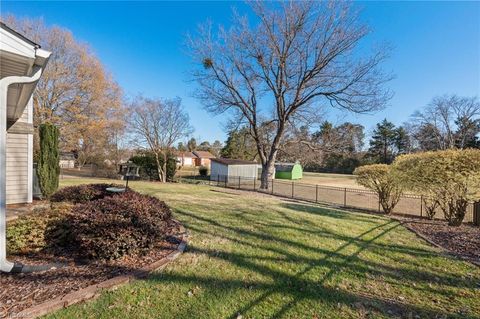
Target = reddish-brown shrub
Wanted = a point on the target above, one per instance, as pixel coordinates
(83, 193)
(109, 228)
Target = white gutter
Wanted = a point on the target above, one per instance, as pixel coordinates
(5, 265)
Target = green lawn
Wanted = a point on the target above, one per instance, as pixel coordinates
(262, 257)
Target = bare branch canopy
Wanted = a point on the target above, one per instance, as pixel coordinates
(298, 56)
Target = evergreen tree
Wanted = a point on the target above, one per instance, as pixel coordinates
(181, 147)
(205, 146)
(427, 137)
(383, 142)
(192, 144)
(239, 145)
(402, 141)
(48, 168)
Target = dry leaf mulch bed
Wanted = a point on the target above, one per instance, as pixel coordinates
(463, 241)
(21, 291)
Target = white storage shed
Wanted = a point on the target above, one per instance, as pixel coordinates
(221, 168)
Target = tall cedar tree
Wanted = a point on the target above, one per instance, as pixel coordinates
(48, 168)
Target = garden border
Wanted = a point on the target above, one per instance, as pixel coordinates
(433, 243)
(94, 291)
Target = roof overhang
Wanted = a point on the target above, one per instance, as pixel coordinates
(19, 57)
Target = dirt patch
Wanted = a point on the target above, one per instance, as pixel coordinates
(463, 241)
(22, 291)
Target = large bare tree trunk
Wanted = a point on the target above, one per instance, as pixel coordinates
(267, 174)
(159, 168)
(164, 168)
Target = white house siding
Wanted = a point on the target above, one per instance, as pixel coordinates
(20, 163)
(188, 161)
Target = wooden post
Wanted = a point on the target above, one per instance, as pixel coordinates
(316, 193)
(476, 213)
(218, 179)
(254, 182)
(293, 187)
(272, 185)
(239, 182)
(421, 206)
(345, 197)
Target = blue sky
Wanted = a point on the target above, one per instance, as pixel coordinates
(436, 48)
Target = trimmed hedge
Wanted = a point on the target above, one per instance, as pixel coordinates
(111, 227)
(83, 193)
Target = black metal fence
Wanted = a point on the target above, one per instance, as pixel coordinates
(409, 204)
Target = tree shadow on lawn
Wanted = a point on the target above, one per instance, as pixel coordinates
(344, 214)
(295, 287)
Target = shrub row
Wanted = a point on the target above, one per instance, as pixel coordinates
(448, 180)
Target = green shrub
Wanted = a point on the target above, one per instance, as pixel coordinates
(379, 178)
(203, 171)
(148, 165)
(83, 193)
(447, 179)
(27, 233)
(112, 227)
(48, 168)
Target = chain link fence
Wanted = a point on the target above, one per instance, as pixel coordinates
(409, 204)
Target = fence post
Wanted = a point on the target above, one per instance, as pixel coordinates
(293, 188)
(316, 193)
(421, 206)
(379, 204)
(239, 182)
(254, 182)
(345, 197)
(218, 179)
(226, 181)
(272, 185)
(476, 213)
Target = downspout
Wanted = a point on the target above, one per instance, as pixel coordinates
(5, 265)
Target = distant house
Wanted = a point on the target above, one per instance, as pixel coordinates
(223, 168)
(67, 160)
(186, 158)
(288, 171)
(203, 158)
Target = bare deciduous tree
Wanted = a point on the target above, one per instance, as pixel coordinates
(449, 121)
(298, 58)
(158, 124)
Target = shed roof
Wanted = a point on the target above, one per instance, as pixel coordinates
(230, 161)
(203, 154)
(284, 167)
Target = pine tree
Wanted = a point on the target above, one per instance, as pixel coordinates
(383, 141)
(48, 169)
